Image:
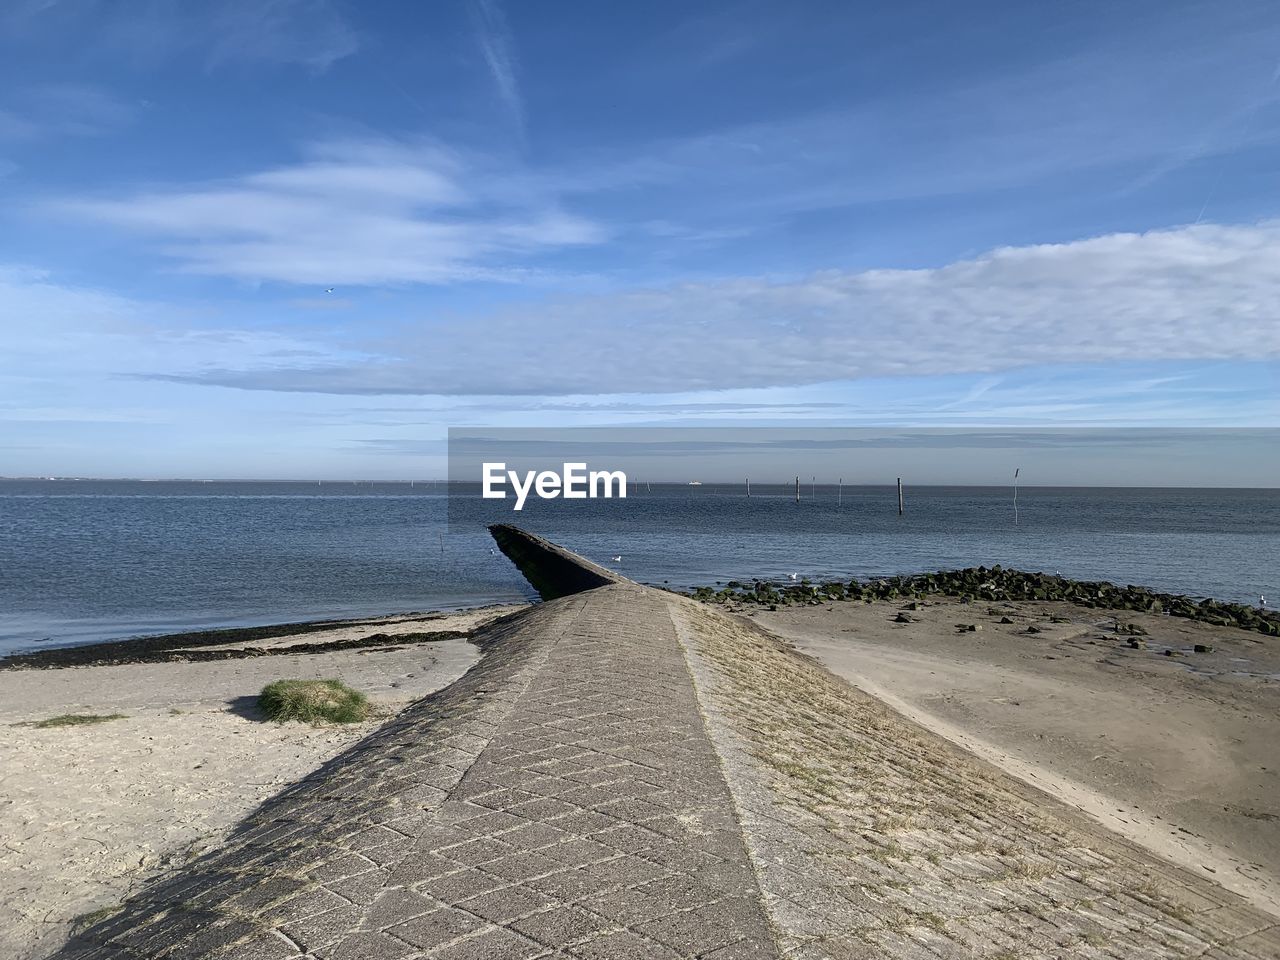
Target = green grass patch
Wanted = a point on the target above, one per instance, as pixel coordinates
(313, 701)
(94, 916)
(77, 719)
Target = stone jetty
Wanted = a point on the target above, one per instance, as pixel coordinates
(629, 773)
(995, 584)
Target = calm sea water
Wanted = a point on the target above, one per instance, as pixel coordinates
(90, 560)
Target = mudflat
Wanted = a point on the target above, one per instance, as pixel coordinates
(1114, 712)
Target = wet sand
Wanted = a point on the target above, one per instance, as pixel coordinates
(87, 813)
(1180, 753)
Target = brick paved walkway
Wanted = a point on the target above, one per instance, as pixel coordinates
(563, 799)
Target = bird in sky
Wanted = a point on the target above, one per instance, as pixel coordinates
(328, 289)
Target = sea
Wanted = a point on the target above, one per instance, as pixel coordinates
(90, 560)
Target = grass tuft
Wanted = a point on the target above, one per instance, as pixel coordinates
(77, 719)
(313, 701)
(93, 916)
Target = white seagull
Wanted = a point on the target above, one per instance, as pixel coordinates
(617, 559)
(794, 577)
(328, 289)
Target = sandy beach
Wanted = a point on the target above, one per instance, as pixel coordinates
(89, 812)
(1175, 752)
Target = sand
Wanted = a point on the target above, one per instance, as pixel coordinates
(87, 813)
(1178, 753)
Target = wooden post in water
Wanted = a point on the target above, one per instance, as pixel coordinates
(748, 486)
(1015, 495)
(813, 488)
(797, 489)
(899, 496)
(840, 491)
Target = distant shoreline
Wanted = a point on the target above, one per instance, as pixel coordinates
(192, 646)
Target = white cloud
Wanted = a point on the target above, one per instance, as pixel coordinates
(1096, 120)
(55, 330)
(494, 37)
(310, 33)
(1192, 293)
(45, 110)
(352, 213)
(1196, 293)
(307, 32)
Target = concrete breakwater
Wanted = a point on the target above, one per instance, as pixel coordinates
(629, 773)
(551, 570)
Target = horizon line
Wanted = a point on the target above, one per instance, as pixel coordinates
(631, 482)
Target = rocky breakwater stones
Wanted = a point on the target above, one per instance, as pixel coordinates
(997, 583)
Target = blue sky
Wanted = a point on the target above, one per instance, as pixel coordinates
(568, 214)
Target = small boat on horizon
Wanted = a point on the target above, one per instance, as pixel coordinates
(695, 483)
